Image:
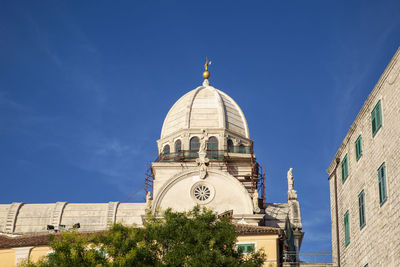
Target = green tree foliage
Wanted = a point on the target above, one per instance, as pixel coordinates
(194, 238)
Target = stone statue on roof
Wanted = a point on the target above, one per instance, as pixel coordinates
(148, 200)
(290, 179)
(202, 161)
(203, 142)
(292, 194)
(255, 197)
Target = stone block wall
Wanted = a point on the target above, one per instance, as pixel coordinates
(378, 242)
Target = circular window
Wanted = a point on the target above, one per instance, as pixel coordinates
(202, 192)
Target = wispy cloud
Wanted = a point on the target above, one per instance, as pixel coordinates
(315, 217)
(118, 163)
(44, 38)
(7, 103)
(114, 147)
(350, 69)
(84, 77)
(21, 118)
(316, 224)
(112, 159)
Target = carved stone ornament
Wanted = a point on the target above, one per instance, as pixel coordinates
(148, 201)
(292, 195)
(290, 179)
(203, 161)
(202, 192)
(256, 208)
(236, 141)
(203, 142)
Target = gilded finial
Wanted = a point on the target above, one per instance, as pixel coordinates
(206, 74)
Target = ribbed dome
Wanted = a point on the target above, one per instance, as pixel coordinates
(205, 108)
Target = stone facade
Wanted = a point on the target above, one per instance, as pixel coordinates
(206, 113)
(377, 243)
(218, 171)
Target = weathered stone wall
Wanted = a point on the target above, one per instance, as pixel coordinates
(34, 218)
(378, 242)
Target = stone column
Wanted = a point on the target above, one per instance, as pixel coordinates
(22, 254)
(297, 236)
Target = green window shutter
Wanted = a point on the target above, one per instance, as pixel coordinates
(378, 115)
(358, 148)
(346, 229)
(382, 184)
(361, 208)
(246, 248)
(376, 118)
(345, 169)
(342, 172)
(373, 122)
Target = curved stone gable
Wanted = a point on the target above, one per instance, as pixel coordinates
(229, 193)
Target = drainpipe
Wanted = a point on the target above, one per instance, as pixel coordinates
(336, 211)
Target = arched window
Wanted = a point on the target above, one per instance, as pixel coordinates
(212, 144)
(194, 144)
(178, 146)
(212, 148)
(166, 149)
(242, 149)
(230, 145)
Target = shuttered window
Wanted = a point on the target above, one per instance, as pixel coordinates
(376, 118)
(346, 228)
(382, 184)
(345, 169)
(246, 248)
(358, 148)
(361, 208)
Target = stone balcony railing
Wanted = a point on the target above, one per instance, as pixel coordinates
(306, 258)
(216, 155)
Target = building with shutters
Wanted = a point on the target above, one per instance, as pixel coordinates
(206, 158)
(364, 179)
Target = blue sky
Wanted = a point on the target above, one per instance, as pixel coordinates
(85, 87)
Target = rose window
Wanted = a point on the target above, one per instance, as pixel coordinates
(202, 192)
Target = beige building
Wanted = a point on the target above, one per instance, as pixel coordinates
(205, 158)
(364, 180)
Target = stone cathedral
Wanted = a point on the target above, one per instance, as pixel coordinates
(205, 158)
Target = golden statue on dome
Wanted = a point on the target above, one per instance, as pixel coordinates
(206, 74)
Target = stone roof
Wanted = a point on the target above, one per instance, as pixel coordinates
(23, 240)
(8, 241)
(276, 214)
(22, 218)
(13, 241)
(205, 108)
